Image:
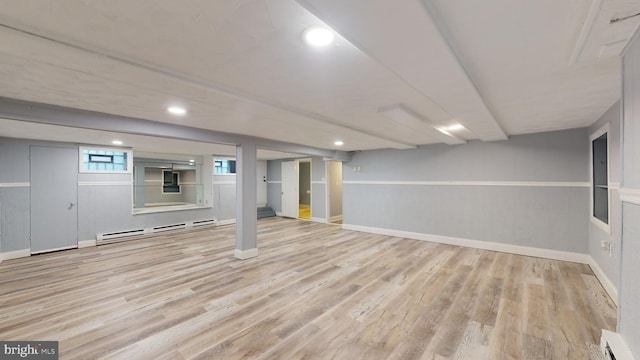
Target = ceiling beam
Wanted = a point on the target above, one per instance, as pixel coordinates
(412, 46)
(63, 116)
(199, 83)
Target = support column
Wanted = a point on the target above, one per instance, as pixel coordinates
(246, 198)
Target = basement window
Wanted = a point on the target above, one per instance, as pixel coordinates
(170, 182)
(104, 160)
(223, 166)
(600, 178)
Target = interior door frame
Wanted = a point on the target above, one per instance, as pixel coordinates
(307, 160)
(74, 202)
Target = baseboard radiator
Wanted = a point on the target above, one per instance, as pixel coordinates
(116, 236)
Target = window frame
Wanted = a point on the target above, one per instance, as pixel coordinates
(175, 181)
(224, 159)
(605, 226)
(127, 151)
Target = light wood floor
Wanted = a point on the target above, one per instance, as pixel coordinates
(304, 211)
(315, 291)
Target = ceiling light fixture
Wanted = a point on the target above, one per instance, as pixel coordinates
(116, 142)
(318, 36)
(455, 127)
(176, 110)
(338, 143)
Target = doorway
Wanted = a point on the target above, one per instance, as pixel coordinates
(289, 191)
(54, 198)
(334, 192)
(304, 188)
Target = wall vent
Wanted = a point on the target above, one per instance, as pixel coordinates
(168, 227)
(111, 237)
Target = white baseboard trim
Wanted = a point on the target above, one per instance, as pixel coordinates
(86, 243)
(15, 254)
(335, 218)
(245, 254)
(15, 184)
(617, 344)
(226, 222)
(608, 286)
(478, 244)
(318, 220)
(279, 213)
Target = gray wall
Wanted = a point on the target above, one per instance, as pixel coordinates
(550, 217)
(628, 314)
(609, 264)
(104, 200)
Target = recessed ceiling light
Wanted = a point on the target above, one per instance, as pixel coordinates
(116, 142)
(192, 160)
(338, 143)
(318, 36)
(176, 110)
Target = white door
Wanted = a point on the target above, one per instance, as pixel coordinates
(290, 189)
(54, 194)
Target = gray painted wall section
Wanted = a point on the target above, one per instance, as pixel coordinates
(553, 156)
(610, 265)
(629, 293)
(15, 223)
(104, 200)
(550, 217)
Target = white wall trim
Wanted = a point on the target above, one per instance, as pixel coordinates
(608, 286)
(15, 254)
(614, 186)
(224, 182)
(630, 195)
(15, 184)
(225, 222)
(245, 254)
(335, 218)
(474, 183)
(105, 183)
(54, 249)
(318, 220)
(274, 182)
(318, 183)
(478, 244)
(617, 344)
(86, 243)
(278, 213)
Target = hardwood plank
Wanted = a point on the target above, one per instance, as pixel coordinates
(315, 291)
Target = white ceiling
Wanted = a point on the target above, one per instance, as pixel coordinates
(498, 67)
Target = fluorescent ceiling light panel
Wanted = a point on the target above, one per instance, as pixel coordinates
(176, 110)
(404, 116)
(455, 127)
(116, 142)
